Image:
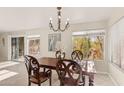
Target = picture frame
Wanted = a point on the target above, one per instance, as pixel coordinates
(53, 40)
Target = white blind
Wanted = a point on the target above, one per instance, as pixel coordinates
(89, 33)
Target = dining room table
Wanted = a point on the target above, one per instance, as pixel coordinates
(88, 67)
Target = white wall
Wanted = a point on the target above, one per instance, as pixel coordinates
(3, 49)
(115, 72)
(66, 40)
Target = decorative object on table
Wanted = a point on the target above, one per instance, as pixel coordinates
(53, 40)
(34, 73)
(59, 28)
(69, 73)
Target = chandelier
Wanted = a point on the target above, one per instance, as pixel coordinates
(59, 22)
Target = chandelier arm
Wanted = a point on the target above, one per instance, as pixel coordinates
(55, 30)
(51, 27)
(66, 27)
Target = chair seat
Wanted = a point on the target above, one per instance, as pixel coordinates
(68, 82)
(43, 77)
(35, 75)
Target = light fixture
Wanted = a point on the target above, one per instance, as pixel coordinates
(59, 22)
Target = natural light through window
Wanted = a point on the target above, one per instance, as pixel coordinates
(91, 43)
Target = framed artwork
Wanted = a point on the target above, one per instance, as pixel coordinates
(34, 46)
(53, 40)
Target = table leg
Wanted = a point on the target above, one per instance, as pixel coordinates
(83, 79)
(91, 80)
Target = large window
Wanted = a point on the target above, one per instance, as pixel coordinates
(91, 43)
(116, 43)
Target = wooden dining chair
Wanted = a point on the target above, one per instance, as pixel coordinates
(77, 55)
(69, 73)
(34, 74)
(60, 55)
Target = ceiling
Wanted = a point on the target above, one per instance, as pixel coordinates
(21, 18)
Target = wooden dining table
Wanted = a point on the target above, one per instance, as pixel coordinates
(50, 63)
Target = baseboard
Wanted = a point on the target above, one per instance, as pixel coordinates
(99, 72)
(113, 80)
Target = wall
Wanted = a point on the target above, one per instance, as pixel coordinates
(43, 41)
(66, 40)
(3, 49)
(115, 71)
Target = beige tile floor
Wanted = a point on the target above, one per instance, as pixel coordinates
(21, 78)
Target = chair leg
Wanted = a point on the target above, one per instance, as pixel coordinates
(83, 79)
(39, 84)
(61, 84)
(50, 79)
(29, 83)
(91, 80)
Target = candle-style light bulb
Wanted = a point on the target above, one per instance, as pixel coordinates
(67, 19)
(50, 20)
(59, 17)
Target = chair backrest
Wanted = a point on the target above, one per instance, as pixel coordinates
(69, 69)
(60, 55)
(77, 55)
(32, 65)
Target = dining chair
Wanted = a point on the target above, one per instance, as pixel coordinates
(69, 73)
(60, 55)
(77, 55)
(34, 74)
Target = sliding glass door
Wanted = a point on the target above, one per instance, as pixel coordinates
(17, 48)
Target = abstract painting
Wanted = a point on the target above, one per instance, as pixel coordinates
(34, 46)
(53, 40)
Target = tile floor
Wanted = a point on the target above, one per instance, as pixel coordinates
(20, 79)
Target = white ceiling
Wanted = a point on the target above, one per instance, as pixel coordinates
(14, 19)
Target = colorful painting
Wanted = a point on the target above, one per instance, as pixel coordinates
(34, 46)
(91, 46)
(53, 40)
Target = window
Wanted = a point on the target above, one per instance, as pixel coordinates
(116, 43)
(91, 43)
